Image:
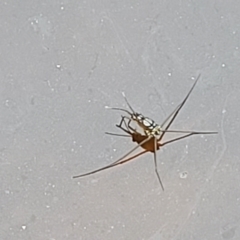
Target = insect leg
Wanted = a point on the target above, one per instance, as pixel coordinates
(135, 148)
(111, 165)
(119, 160)
(116, 134)
(185, 136)
(155, 163)
(179, 107)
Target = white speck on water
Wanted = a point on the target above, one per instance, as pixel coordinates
(183, 175)
(24, 227)
(186, 149)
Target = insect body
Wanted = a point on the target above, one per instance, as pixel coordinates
(146, 124)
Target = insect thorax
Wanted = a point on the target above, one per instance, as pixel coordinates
(147, 124)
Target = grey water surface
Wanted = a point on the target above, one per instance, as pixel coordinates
(61, 63)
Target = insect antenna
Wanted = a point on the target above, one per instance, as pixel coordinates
(120, 109)
(125, 98)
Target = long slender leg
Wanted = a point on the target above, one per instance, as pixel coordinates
(111, 165)
(182, 137)
(127, 125)
(131, 158)
(116, 134)
(135, 148)
(178, 109)
(123, 121)
(122, 128)
(128, 128)
(119, 160)
(155, 163)
(169, 131)
(188, 131)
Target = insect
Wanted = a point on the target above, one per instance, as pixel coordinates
(149, 142)
(149, 126)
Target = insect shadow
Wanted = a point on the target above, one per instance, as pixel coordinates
(150, 141)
